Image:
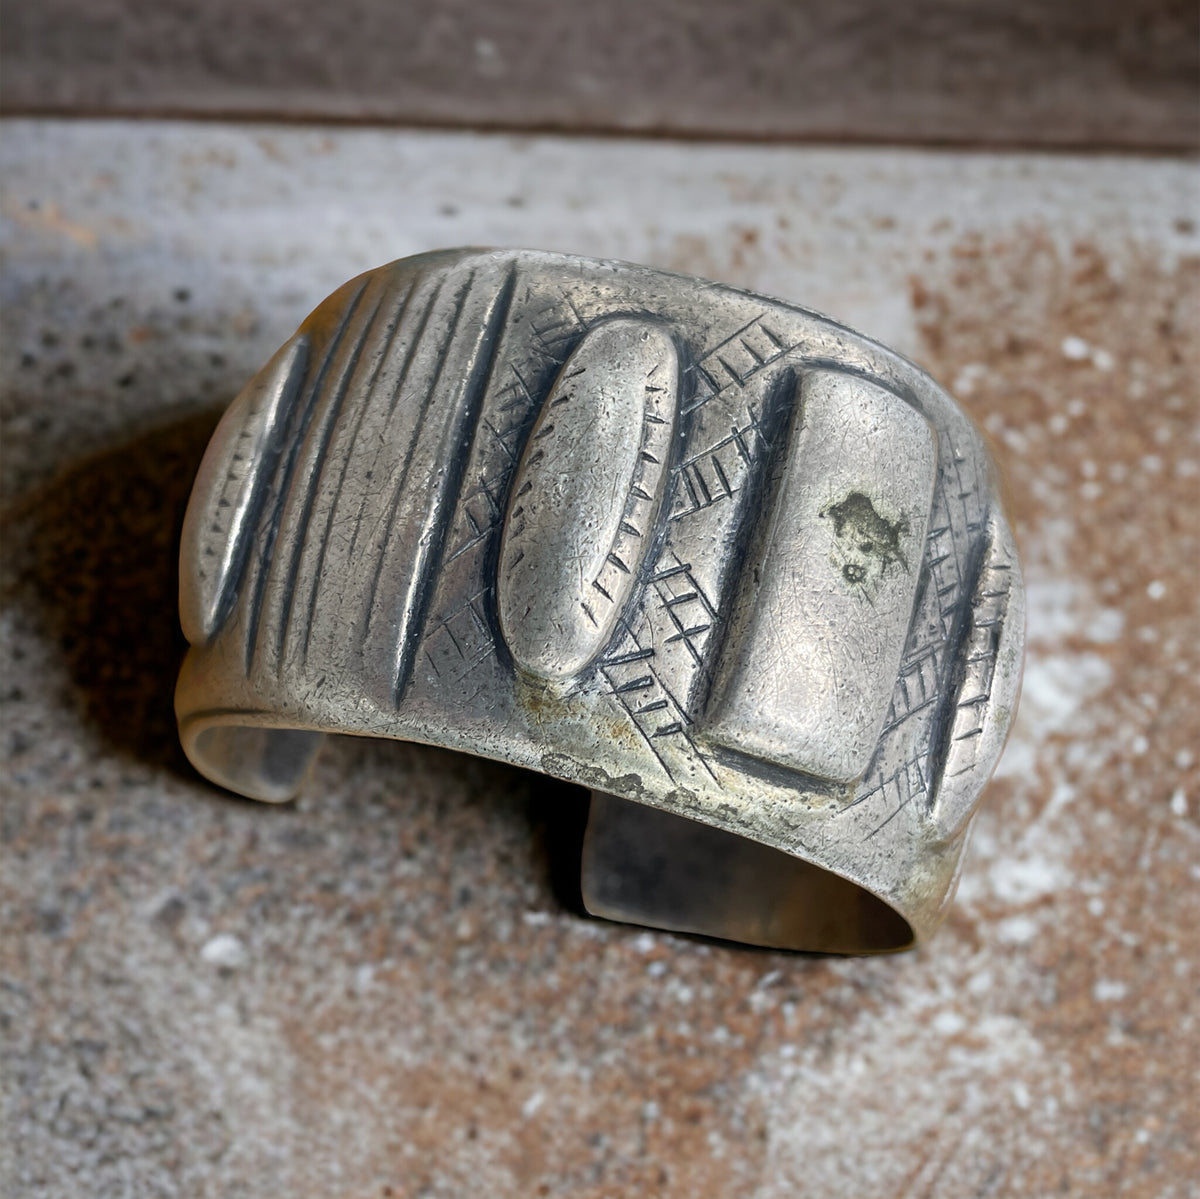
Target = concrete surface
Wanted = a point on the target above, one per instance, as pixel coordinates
(384, 990)
(996, 72)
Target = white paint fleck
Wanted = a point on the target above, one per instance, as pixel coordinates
(1016, 930)
(981, 983)
(881, 1057)
(1179, 805)
(1075, 348)
(1095, 906)
(226, 951)
(1058, 424)
(1106, 625)
(1062, 683)
(948, 1023)
(1102, 360)
(1063, 794)
(1139, 745)
(531, 1105)
(1184, 758)
(644, 943)
(657, 968)
(1156, 589)
(1059, 608)
(1016, 441)
(1108, 990)
(965, 380)
(1055, 690)
(1024, 880)
(489, 60)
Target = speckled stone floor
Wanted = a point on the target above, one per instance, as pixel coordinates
(385, 989)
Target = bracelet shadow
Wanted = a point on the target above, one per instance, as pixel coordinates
(90, 572)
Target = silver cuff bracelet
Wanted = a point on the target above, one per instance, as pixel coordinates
(738, 570)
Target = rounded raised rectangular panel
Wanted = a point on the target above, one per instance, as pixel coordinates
(806, 679)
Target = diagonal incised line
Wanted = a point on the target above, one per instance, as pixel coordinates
(401, 483)
(350, 356)
(283, 475)
(462, 433)
(396, 322)
(398, 390)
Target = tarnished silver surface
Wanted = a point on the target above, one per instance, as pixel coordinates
(736, 568)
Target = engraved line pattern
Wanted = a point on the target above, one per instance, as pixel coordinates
(736, 360)
(635, 684)
(910, 782)
(297, 427)
(430, 393)
(989, 610)
(679, 611)
(384, 445)
(320, 434)
(500, 436)
(245, 472)
(518, 405)
(467, 629)
(687, 607)
(395, 324)
(719, 471)
(636, 526)
(468, 403)
(896, 791)
(935, 642)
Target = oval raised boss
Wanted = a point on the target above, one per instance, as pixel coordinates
(586, 495)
